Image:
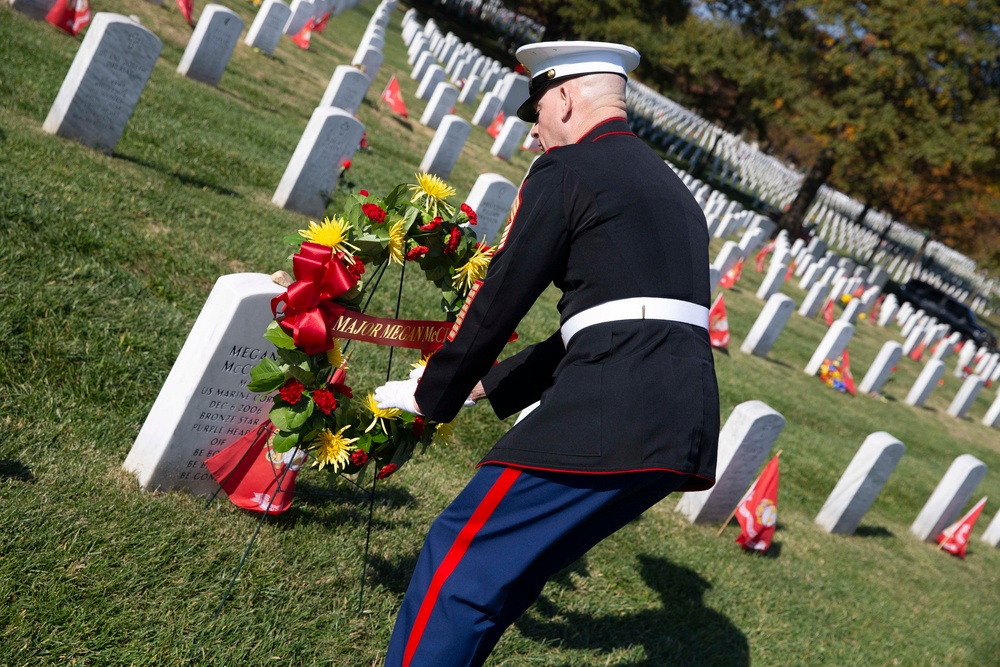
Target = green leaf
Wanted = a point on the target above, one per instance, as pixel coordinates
(283, 441)
(398, 197)
(266, 376)
(279, 337)
(294, 357)
(291, 418)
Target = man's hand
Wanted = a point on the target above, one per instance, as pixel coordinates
(398, 394)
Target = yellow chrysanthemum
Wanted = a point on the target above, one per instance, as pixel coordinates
(443, 433)
(473, 270)
(333, 449)
(397, 241)
(433, 191)
(379, 413)
(333, 233)
(335, 355)
(419, 363)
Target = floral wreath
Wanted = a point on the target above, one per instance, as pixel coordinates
(314, 409)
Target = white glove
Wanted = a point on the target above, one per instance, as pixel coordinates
(398, 394)
(418, 373)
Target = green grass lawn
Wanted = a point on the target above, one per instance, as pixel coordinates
(105, 261)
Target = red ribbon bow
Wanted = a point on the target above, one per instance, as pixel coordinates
(320, 277)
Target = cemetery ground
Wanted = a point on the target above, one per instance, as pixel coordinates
(106, 262)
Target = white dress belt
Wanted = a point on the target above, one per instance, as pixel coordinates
(636, 308)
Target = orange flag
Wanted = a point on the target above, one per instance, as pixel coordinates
(718, 324)
(186, 6)
(496, 125)
(70, 15)
(254, 476)
(732, 275)
(393, 96)
(761, 256)
(845, 370)
(955, 537)
(918, 351)
(321, 25)
(304, 35)
(758, 511)
(790, 271)
(828, 312)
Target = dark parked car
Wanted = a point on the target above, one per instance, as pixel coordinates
(947, 310)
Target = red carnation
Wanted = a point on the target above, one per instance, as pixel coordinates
(342, 389)
(482, 247)
(345, 165)
(454, 236)
(291, 391)
(357, 268)
(467, 210)
(418, 426)
(432, 225)
(359, 457)
(417, 252)
(374, 212)
(363, 193)
(387, 470)
(325, 400)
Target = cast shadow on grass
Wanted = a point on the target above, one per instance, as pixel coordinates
(181, 178)
(392, 574)
(680, 631)
(873, 531)
(403, 122)
(15, 470)
(777, 362)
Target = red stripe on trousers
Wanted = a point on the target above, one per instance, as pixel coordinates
(454, 556)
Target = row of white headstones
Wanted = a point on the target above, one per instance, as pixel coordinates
(204, 404)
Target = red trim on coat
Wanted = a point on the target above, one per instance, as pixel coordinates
(606, 120)
(630, 134)
(454, 556)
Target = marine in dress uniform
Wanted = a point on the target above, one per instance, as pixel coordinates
(628, 407)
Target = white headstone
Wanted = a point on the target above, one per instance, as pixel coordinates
(992, 417)
(441, 104)
(727, 258)
(773, 280)
(745, 439)
(881, 368)
(265, 31)
(204, 405)
(925, 384)
(301, 12)
(992, 533)
(491, 198)
(331, 136)
(814, 299)
(425, 60)
(949, 497)
(860, 484)
(368, 61)
(446, 146)
(36, 9)
(832, 346)
(513, 92)
(104, 82)
(346, 89)
(211, 45)
(966, 396)
(429, 83)
(510, 137)
(487, 110)
(470, 90)
(767, 328)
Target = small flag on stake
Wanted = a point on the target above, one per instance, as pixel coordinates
(848, 378)
(955, 538)
(732, 275)
(303, 37)
(70, 15)
(828, 312)
(186, 6)
(718, 324)
(393, 96)
(757, 511)
(790, 271)
(761, 256)
(496, 125)
(321, 24)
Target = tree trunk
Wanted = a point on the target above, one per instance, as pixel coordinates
(791, 220)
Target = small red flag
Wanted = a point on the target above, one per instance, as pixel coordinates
(790, 271)
(496, 125)
(718, 324)
(70, 15)
(254, 476)
(758, 511)
(186, 6)
(732, 275)
(955, 537)
(876, 309)
(321, 24)
(828, 312)
(304, 35)
(393, 96)
(845, 371)
(918, 352)
(761, 256)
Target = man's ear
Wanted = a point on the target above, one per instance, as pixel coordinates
(565, 102)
